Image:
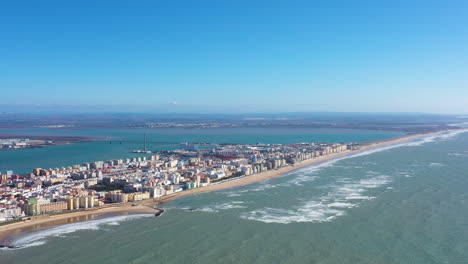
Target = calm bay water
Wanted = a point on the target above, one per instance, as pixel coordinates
(406, 204)
(24, 160)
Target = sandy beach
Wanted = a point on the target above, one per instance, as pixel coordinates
(45, 221)
(148, 206)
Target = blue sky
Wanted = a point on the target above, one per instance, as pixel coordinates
(237, 56)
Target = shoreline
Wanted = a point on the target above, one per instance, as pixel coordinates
(271, 174)
(59, 139)
(10, 231)
(56, 141)
(148, 206)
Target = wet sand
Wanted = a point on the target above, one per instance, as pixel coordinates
(14, 229)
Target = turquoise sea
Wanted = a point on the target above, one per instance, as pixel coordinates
(401, 204)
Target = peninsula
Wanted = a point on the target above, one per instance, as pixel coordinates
(80, 192)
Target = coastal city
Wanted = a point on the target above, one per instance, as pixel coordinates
(234, 132)
(121, 181)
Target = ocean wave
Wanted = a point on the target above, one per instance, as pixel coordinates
(464, 154)
(343, 196)
(40, 237)
(303, 177)
(262, 187)
(311, 212)
(344, 180)
(322, 209)
(406, 174)
(438, 137)
(310, 173)
(414, 143)
(221, 206)
(341, 205)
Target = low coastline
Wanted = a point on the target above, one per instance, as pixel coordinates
(54, 141)
(14, 229)
(236, 182)
(148, 207)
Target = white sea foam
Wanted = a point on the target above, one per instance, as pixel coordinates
(263, 186)
(32, 244)
(298, 180)
(342, 197)
(428, 139)
(341, 205)
(436, 164)
(310, 212)
(344, 180)
(356, 196)
(405, 172)
(325, 208)
(222, 206)
(464, 154)
(113, 223)
(40, 237)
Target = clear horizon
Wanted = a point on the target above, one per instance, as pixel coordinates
(192, 110)
(236, 57)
